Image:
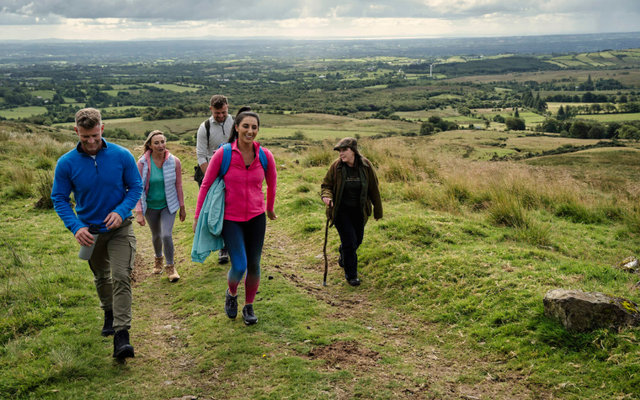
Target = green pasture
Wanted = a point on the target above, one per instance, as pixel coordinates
(462, 119)
(531, 118)
(611, 117)
(174, 88)
(45, 94)
(22, 112)
(585, 58)
(120, 108)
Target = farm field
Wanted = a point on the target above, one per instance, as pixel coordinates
(629, 77)
(611, 117)
(22, 112)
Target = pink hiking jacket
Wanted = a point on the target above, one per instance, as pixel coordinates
(244, 198)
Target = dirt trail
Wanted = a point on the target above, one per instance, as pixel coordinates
(158, 336)
(424, 371)
(397, 335)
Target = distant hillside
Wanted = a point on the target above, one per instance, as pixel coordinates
(211, 50)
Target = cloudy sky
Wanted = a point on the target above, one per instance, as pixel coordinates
(137, 19)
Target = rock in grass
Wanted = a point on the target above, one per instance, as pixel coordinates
(629, 264)
(579, 311)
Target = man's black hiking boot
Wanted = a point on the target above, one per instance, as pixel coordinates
(231, 305)
(223, 256)
(107, 328)
(340, 260)
(248, 315)
(121, 347)
(354, 281)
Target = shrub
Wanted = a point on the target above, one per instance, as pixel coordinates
(457, 191)
(171, 137)
(42, 162)
(299, 135)
(22, 179)
(578, 213)
(535, 233)
(515, 124)
(43, 188)
(318, 157)
(119, 133)
(508, 211)
(427, 128)
(632, 220)
(303, 189)
(397, 171)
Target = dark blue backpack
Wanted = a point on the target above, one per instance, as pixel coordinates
(226, 159)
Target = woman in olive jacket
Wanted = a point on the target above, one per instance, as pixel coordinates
(350, 191)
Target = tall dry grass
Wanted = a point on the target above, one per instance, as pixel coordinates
(508, 191)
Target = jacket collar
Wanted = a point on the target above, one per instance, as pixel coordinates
(81, 150)
(147, 156)
(256, 146)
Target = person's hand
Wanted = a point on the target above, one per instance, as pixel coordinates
(195, 223)
(84, 237)
(140, 219)
(272, 215)
(183, 214)
(113, 220)
(328, 201)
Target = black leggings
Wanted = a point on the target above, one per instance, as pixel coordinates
(350, 225)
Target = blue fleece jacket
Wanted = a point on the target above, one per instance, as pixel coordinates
(109, 183)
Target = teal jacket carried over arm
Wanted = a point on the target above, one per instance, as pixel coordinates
(208, 235)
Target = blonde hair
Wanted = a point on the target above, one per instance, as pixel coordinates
(147, 143)
(88, 118)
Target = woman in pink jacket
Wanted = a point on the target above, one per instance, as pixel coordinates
(244, 223)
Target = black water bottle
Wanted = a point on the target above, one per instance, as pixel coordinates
(86, 251)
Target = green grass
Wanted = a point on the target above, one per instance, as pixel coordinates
(22, 112)
(611, 117)
(453, 275)
(45, 94)
(174, 88)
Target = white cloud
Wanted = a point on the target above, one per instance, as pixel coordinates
(127, 19)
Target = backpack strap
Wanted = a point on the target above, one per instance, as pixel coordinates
(207, 126)
(263, 160)
(226, 159)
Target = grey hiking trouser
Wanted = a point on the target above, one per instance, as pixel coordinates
(112, 264)
(161, 225)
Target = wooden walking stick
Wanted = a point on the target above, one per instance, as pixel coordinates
(324, 250)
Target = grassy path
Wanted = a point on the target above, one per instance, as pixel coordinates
(311, 341)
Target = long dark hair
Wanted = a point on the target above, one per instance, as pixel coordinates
(242, 114)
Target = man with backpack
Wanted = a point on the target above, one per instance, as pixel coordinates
(212, 133)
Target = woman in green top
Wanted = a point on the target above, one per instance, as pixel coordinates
(161, 199)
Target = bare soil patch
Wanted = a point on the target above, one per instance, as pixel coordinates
(345, 353)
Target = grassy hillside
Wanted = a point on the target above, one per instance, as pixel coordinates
(450, 305)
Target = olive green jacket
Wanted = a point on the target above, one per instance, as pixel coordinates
(333, 185)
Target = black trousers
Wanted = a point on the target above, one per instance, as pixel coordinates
(350, 225)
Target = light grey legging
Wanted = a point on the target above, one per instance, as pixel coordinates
(161, 225)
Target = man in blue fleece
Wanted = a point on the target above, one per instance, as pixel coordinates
(106, 186)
